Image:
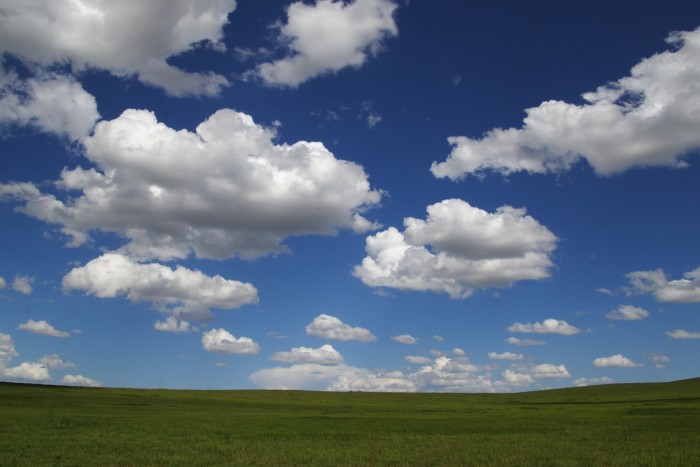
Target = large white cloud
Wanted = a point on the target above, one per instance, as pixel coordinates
(328, 36)
(648, 118)
(324, 355)
(221, 191)
(457, 249)
(49, 102)
(526, 374)
(128, 37)
(618, 360)
(548, 326)
(330, 327)
(685, 290)
(42, 327)
(223, 342)
(181, 291)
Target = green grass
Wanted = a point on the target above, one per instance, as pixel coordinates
(626, 424)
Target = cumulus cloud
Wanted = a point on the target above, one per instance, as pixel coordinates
(181, 291)
(330, 327)
(328, 36)
(627, 313)
(324, 355)
(682, 334)
(49, 102)
(685, 290)
(418, 360)
(618, 361)
(80, 380)
(23, 284)
(648, 118)
(548, 326)
(526, 374)
(506, 356)
(42, 327)
(126, 38)
(405, 339)
(223, 342)
(55, 362)
(301, 376)
(457, 249)
(25, 371)
(225, 190)
(172, 324)
(524, 342)
(580, 382)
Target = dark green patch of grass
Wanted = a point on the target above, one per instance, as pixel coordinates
(629, 424)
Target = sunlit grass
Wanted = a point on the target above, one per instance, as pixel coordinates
(632, 424)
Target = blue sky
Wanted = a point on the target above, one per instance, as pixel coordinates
(373, 195)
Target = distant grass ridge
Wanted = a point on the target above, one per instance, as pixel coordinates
(617, 424)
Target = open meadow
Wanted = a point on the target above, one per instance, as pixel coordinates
(625, 424)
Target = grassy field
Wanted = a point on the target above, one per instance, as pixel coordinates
(626, 424)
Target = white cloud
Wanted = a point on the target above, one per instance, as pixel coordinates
(42, 327)
(457, 352)
(373, 120)
(330, 327)
(418, 360)
(324, 355)
(301, 376)
(526, 374)
(506, 356)
(618, 360)
(580, 382)
(605, 291)
(685, 290)
(52, 103)
(524, 342)
(648, 118)
(27, 371)
(222, 191)
(457, 249)
(683, 334)
(405, 339)
(7, 349)
(437, 338)
(181, 291)
(223, 342)
(660, 360)
(548, 326)
(80, 380)
(627, 313)
(55, 362)
(24, 371)
(328, 36)
(172, 324)
(3, 283)
(23, 284)
(126, 38)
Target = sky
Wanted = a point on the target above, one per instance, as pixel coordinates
(363, 195)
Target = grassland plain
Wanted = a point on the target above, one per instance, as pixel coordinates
(625, 424)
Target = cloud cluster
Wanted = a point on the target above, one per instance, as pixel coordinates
(221, 191)
(223, 342)
(648, 118)
(126, 38)
(685, 290)
(49, 102)
(328, 36)
(181, 291)
(330, 327)
(324, 355)
(42, 327)
(548, 326)
(527, 374)
(618, 361)
(24, 371)
(457, 249)
(172, 324)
